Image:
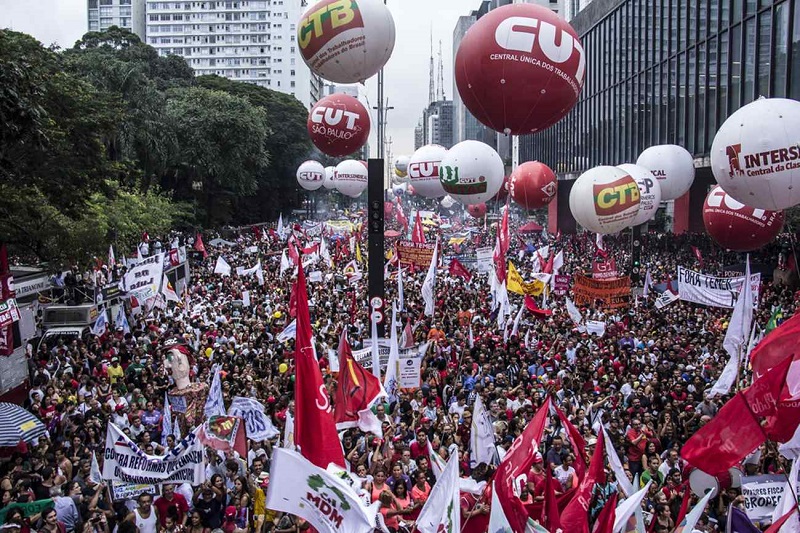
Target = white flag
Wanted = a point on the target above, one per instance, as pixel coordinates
(471, 337)
(648, 282)
(558, 262)
(400, 299)
(515, 328)
(502, 299)
(482, 448)
(111, 258)
(285, 265)
(693, 516)
(429, 285)
(616, 465)
(300, 488)
(259, 273)
(442, 510)
(323, 251)
(246, 299)
(289, 332)
(121, 321)
(288, 432)
(629, 506)
(222, 267)
(166, 420)
(498, 523)
(390, 378)
(599, 242)
(215, 406)
(94, 474)
(258, 425)
(281, 229)
(176, 429)
(739, 326)
(100, 324)
(168, 291)
(574, 313)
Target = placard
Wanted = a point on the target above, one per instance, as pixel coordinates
(713, 291)
(409, 372)
(612, 293)
(129, 491)
(561, 285)
(483, 259)
(415, 253)
(604, 268)
(761, 495)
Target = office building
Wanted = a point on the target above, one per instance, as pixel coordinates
(436, 125)
(128, 14)
(252, 41)
(667, 72)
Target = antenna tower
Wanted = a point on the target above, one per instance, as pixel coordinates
(431, 88)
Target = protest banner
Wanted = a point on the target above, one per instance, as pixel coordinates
(761, 495)
(9, 312)
(143, 280)
(128, 491)
(483, 259)
(125, 461)
(613, 293)
(561, 285)
(28, 509)
(418, 254)
(409, 372)
(713, 291)
(666, 298)
(604, 268)
(596, 327)
(258, 426)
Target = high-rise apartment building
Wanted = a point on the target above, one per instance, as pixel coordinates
(253, 41)
(128, 14)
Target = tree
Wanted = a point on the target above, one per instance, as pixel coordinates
(220, 145)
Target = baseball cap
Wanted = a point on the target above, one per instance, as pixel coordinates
(230, 511)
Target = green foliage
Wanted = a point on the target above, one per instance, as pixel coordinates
(108, 139)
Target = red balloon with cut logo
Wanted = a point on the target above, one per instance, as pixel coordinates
(533, 185)
(520, 68)
(338, 125)
(477, 210)
(736, 226)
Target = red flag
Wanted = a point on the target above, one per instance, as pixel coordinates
(457, 269)
(578, 444)
(257, 232)
(781, 343)
(605, 521)
(6, 292)
(418, 234)
(548, 268)
(224, 433)
(199, 246)
(518, 461)
(601, 250)
(401, 215)
(698, 255)
(687, 497)
(575, 517)
(502, 234)
(551, 516)
(293, 302)
(291, 249)
(498, 258)
(736, 431)
(356, 389)
(145, 237)
(314, 429)
(530, 305)
(669, 286)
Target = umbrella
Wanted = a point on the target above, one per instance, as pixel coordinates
(19, 425)
(390, 233)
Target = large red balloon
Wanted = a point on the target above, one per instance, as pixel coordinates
(532, 185)
(338, 125)
(736, 226)
(477, 210)
(520, 68)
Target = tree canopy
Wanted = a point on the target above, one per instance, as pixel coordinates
(107, 139)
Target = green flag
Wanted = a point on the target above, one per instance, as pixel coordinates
(28, 509)
(772, 323)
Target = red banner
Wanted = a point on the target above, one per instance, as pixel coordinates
(561, 285)
(604, 268)
(418, 254)
(612, 293)
(7, 295)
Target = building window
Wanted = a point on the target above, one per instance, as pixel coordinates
(92, 4)
(106, 2)
(291, 84)
(93, 25)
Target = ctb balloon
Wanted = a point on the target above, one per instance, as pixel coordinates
(532, 185)
(338, 125)
(520, 68)
(471, 172)
(755, 156)
(736, 226)
(604, 199)
(346, 41)
(672, 166)
(351, 178)
(423, 171)
(311, 175)
(649, 192)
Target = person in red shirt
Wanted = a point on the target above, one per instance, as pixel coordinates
(420, 446)
(171, 499)
(636, 441)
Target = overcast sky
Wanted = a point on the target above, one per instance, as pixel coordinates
(63, 22)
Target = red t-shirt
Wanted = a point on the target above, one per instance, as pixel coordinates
(163, 505)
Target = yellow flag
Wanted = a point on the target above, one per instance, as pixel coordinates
(358, 253)
(515, 283)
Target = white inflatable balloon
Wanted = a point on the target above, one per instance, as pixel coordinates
(328, 183)
(351, 178)
(649, 192)
(401, 166)
(423, 170)
(755, 156)
(672, 165)
(604, 199)
(471, 172)
(447, 202)
(311, 175)
(346, 41)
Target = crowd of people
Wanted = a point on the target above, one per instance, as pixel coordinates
(646, 380)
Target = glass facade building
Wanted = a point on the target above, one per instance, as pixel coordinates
(669, 72)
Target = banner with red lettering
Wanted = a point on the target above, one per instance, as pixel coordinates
(418, 254)
(561, 285)
(604, 268)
